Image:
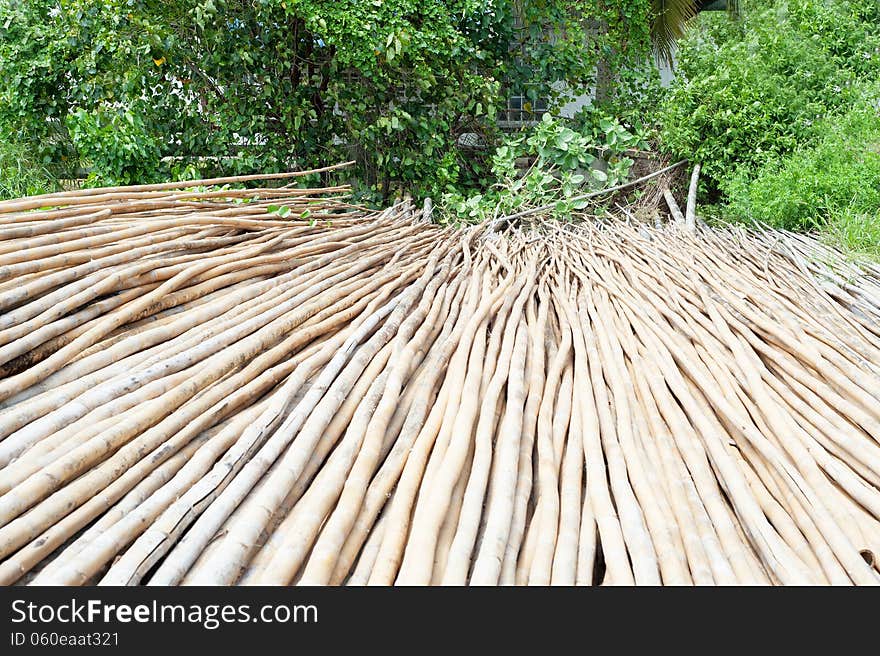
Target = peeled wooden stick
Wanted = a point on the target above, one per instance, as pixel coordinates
(690, 216)
(510, 367)
(674, 209)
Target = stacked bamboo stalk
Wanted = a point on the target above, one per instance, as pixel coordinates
(194, 390)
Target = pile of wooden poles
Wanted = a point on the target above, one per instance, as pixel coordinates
(195, 390)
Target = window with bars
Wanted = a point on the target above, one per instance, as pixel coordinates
(520, 108)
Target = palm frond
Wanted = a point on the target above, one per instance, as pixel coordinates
(668, 25)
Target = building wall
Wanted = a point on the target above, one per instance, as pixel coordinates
(667, 73)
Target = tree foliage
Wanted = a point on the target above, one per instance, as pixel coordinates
(136, 90)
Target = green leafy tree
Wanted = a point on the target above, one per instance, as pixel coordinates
(136, 90)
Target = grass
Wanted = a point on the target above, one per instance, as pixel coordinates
(856, 232)
(20, 175)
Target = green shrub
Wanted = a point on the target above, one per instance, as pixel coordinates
(563, 154)
(831, 185)
(748, 94)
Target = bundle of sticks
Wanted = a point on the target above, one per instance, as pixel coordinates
(195, 390)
